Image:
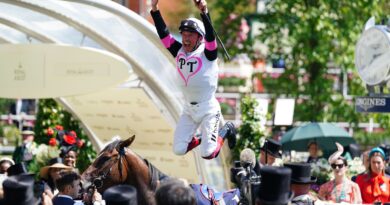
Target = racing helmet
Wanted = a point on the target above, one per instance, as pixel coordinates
(192, 25)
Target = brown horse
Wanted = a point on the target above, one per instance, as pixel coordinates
(117, 164)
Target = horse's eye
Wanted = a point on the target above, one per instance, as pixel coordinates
(100, 162)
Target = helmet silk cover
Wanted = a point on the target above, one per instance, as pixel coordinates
(192, 25)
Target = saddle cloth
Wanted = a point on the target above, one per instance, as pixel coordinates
(206, 195)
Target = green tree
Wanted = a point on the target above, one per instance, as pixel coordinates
(311, 36)
(250, 130)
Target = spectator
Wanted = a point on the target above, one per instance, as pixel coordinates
(120, 195)
(313, 152)
(275, 186)
(69, 187)
(5, 163)
(374, 186)
(175, 192)
(340, 189)
(268, 153)
(49, 174)
(301, 181)
(19, 190)
(26, 151)
(69, 156)
(366, 164)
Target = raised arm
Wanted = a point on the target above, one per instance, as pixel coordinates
(166, 38)
(211, 51)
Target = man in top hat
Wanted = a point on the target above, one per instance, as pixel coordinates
(26, 151)
(19, 190)
(120, 195)
(268, 153)
(275, 186)
(301, 180)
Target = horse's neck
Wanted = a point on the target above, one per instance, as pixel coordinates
(151, 175)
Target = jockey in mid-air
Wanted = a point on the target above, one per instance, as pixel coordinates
(197, 71)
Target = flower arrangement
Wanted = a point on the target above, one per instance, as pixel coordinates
(322, 170)
(63, 138)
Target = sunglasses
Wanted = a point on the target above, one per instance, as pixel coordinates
(334, 166)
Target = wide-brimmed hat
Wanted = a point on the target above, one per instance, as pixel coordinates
(44, 172)
(275, 185)
(7, 159)
(19, 190)
(301, 173)
(121, 195)
(272, 147)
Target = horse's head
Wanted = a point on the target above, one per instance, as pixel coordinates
(116, 164)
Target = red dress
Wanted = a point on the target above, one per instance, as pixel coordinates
(375, 188)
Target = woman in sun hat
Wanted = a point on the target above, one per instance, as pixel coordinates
(49, 174)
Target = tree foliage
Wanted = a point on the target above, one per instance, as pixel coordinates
(250, 130)
(311, 36)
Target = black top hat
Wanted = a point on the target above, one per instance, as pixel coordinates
(272, 147)
(17, 169)
(301, 173)
(275, 185)
(19, 190)
(120, 195)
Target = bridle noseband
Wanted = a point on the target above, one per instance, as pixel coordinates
(98, 181)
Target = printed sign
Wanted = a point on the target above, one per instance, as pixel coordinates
(51, 71)
(372, 104)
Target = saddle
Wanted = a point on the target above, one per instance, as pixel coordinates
(206, 195)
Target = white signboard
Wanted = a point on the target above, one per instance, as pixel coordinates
(51, 71)
(284, 111)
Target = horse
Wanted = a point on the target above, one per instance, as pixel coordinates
(118, 164)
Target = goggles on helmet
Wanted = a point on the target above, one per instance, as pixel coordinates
(191, 26)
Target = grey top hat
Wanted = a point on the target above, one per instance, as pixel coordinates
(120, 195)
(301, 173)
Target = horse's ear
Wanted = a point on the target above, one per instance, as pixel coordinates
(127, 142)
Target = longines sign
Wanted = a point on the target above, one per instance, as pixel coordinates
(372, 104)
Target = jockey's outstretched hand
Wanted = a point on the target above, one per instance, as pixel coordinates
(201, 4)
(154, 5)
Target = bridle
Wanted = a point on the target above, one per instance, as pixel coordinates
(154, 174)
(98, 181)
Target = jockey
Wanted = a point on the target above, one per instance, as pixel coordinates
(197, 73)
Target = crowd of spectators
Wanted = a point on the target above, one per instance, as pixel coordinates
(60, 184)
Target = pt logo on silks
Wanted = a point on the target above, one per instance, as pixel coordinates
(188, 67)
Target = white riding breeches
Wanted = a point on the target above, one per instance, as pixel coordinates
(206, 116)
